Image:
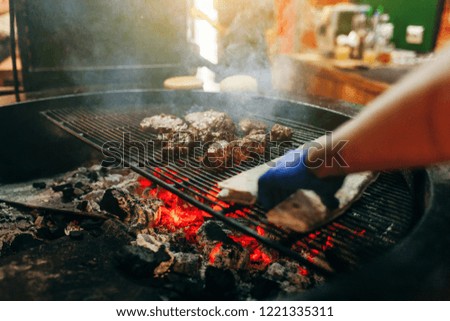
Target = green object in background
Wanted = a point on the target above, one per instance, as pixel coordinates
(404, 13)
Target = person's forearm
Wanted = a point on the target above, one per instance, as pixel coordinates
(408, 126)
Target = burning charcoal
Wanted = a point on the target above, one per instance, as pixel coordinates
(139, 261)
(39, 185)
(163, 124)
(289, 275)
(280, 133)
(220, 284)
(89, 194)
(179, 243)
(164, 266)
(248, 126)
(276, 271)
(90, 202)
(221, 250)
(142, 214)
(115, 201)
(211, 231)
(187, 263)
(211, 126)
(227, 255)
(152, 242)
(295, 278)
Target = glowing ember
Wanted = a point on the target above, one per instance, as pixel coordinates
(328, 244)
(175, 214)
(312, 254)
(303, 271)
(244, 240)
(214, 252)
(168, 175)
(239, 213)
(144, 183)
(360, 233)
(217, 205)
(260, 230)
(257, 256)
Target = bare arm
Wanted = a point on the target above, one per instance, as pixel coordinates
(407, 126)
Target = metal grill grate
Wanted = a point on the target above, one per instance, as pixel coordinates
(380, 219)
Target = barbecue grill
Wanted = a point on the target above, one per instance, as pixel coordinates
(388, 245)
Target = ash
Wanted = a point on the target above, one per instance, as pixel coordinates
(120, 237)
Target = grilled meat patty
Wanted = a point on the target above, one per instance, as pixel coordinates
(178, 144)
(280, 133)
(247, 148)
(163, 123)
(248, 126)
(217, 132)
(211, 126)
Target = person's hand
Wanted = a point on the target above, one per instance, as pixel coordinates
(290, 174)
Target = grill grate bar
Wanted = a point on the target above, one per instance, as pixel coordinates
(257, 219)
(203, 185)
(379, 219)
